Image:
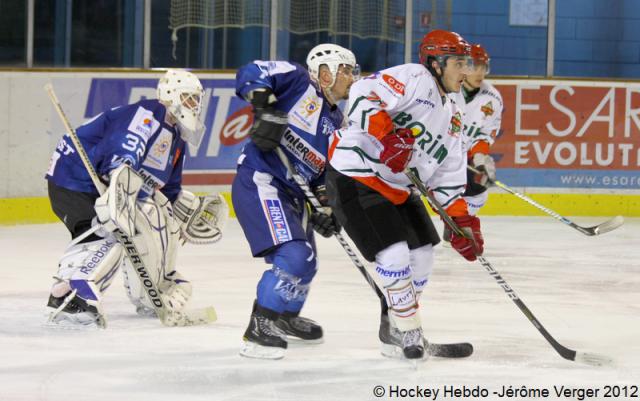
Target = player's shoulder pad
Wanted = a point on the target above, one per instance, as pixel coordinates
(394, 80)
(277, 67)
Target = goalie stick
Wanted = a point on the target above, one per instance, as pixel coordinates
(452, 350)
(601, 228)
(167, 317)
(566, 353)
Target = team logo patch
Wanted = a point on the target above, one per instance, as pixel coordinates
(277, 221)
(143, 123)
(310, 106)
(396, 85)
(456, 125)
(158, 154)
(327, 126)
(304, 151)
(487, 109)
(375, 98)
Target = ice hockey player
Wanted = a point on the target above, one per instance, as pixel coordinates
(138, 152)
(295, 111)
(402, 117)
(482, 118)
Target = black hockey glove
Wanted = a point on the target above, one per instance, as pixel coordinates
(323, 223)
(269, 123)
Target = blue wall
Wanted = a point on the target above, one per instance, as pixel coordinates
(598, 38)
(594, 38)
(514, 50)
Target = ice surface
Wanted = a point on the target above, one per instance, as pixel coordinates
(584, 290)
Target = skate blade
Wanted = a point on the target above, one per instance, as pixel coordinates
(395, 352)
(299, 341)
(68, 322)
(257, 351)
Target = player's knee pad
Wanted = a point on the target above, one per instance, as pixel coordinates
(394, 271)
(294, 265)
(476, 202)
(297, 258)
(89, 268)
(422, 266)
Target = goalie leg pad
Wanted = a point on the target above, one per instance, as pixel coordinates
(116, 208)
(394, 271)
(157, 239)
(285, 286)
(85, 271)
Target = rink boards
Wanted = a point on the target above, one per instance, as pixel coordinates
(571, 145)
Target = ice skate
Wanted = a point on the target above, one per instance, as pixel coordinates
(300, 329)
(263, 339)
(393, 341)
(72, 312)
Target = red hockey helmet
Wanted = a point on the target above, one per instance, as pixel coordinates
(479, 54)
(443, 43)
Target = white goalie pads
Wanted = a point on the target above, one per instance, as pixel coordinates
(202, 218)
(116, 208)
(157, 239)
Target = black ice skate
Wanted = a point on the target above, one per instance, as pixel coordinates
(392, 340)
(300, 329)
(263, 339)
(71, 311)
(413, 344)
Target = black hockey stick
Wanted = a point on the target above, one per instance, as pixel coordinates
(167, 317)
(566, 353)
(601, 228)
(453, 350)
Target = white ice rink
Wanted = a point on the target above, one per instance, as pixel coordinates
(584, 290)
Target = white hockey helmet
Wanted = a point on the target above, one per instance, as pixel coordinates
(333, 56)
(181, 92)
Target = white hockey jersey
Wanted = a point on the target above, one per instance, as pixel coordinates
(483, 116)
(403, 96)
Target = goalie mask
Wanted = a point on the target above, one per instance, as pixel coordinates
(181, 92)
(333, 56)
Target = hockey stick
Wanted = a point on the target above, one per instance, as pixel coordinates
(566, 353)
(601, 228)
(167, 317)
(451, 350)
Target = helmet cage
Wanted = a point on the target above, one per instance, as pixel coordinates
(182, 93)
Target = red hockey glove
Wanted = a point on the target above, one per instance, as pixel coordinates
(398, 147)
(466, 247)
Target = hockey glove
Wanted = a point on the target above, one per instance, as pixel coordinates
(202, 218)
(398, 148)
(269, 123)
(472, 246)
(325, 222)
(486, 166)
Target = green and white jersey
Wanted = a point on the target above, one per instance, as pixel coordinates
(404, 96)
(483, 115)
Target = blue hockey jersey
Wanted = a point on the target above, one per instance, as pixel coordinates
(136, 134)
(311, 121)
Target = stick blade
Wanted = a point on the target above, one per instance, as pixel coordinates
(608, 225)
(191, 317)
(593, 359)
